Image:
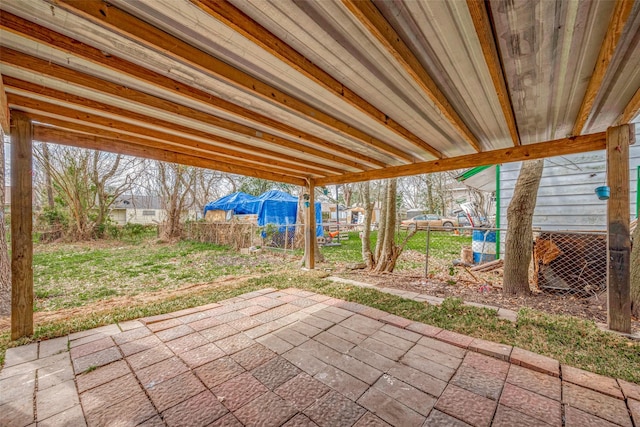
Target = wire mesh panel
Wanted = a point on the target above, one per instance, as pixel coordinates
(571, 262)
(287, 237)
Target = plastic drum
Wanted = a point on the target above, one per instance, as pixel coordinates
(483, 245)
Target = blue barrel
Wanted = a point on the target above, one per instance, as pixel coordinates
(483, 245)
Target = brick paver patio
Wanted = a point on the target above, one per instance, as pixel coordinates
(295, 358)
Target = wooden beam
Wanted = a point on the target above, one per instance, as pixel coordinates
(30, 63)
(621, 13)
(241, 159)
(21, 226)
(558, 147)
(160, 130)
(252, 30)
(4, 110)
(310, 227)
(371, 18)
(632, 109)
(246, 161)
(151, 37)
(40, 34)
(619, 241)
(65, 137)
(484, 30)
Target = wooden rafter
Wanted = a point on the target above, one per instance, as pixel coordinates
(371, 18)
(621, 13)
(484, 30)
(632, 109)
(55, 40)
(245, 25)
(4, 110)
(27, 62)
(559, 147)
(147, 35)
(65, 137)
(28, 90)
(225, 156)
(156, 137)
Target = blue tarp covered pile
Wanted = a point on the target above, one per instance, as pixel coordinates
(233, 202)
(273, 207)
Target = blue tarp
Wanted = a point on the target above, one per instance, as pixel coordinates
(273, 207)
(235, 202)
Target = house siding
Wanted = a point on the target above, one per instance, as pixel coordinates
(566, 198)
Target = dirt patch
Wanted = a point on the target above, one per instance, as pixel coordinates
(105, 306)
(445, 280)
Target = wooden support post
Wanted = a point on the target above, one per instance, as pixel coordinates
(619, 242)
(21, 225)
(310, 228)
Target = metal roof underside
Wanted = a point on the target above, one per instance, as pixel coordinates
(327, 91)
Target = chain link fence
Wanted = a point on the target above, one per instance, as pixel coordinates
(564, 262)
(570, 262)
(240, 235)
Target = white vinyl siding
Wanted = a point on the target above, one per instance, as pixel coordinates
(566, 197)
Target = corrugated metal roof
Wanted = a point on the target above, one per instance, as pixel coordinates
(321, 90)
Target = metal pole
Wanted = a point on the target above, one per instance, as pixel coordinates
(426, 253)
(286, 238)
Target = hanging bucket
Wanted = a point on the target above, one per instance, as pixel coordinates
(603, 192)
(483, 245)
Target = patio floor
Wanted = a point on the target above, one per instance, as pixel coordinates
(295, 358)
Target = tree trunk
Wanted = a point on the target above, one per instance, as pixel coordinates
(300, 234)
(367, 256)
(298, 240)
(520, 234)
(47, 176)
(635, 273)
(5, 265)
(387, 256)
(176, 184)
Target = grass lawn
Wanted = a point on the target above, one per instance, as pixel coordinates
(120, 280)
(68, 275)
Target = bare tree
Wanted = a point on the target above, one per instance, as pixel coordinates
(635, 273)
(520, 235)
(69, 169)
(176, 184)
(5, 265)
(348, 191)
(257, 186)
(87, 183)
(429, 192)
(211, 185)
(111, 177)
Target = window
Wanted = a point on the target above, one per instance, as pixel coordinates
(148, 213)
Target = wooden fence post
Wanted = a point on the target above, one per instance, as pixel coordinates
(619, 241)
(21, 226)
